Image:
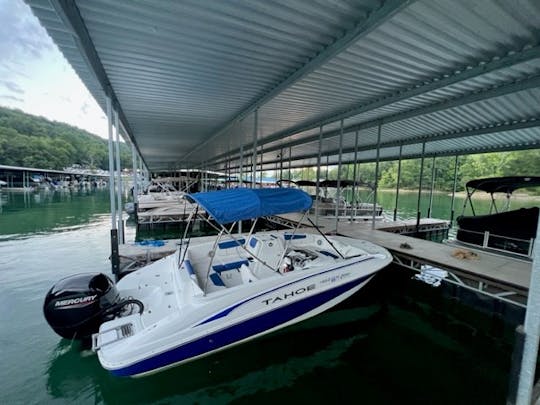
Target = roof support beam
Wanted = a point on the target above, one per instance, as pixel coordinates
(472, 151)
(499, 127)
(511, 58)
(502, 90)
(71, 17)
(468, 72)
(388, 9)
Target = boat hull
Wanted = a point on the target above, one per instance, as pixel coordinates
(184, 319)
(241, 332)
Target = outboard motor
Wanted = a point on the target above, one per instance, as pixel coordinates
(76, 305)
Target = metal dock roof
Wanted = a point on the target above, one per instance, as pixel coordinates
(193, 78)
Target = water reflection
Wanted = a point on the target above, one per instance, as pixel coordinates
(29, 213)
(267, 364)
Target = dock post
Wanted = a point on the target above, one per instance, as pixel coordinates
(338, 189)
(119, 179)
(379, 131)
(318, 176)
(398, 181)
(418, 212)
(115, 256)
(531, 330)
(254, 157)
(432, 186)
(515, 369)
(240, 180)
(452, 210)
(354, 199)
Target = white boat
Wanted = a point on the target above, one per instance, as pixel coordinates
(326, 206)
(211, 296)
(157, 195)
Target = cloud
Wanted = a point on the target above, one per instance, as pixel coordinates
(12, 86)
(11, 98)
(21, 35)
(85, 108)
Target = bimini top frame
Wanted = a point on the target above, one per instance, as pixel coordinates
(492, 185)
(227, 206)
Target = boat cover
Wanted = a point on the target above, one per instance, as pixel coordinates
(238, 204)
(504, 184)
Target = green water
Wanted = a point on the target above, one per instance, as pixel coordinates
(397, 341)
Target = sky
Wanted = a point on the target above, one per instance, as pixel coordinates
(36, 78)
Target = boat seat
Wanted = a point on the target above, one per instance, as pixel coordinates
(216, 280)
(228, 244)
(268, 249)
(218, 268)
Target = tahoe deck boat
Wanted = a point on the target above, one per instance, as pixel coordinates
(209, 296)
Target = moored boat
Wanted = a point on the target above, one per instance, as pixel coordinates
(211, 296)
(501, 230)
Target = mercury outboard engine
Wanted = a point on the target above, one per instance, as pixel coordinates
(76, 305)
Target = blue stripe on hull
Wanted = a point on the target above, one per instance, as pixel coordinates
(237, 332)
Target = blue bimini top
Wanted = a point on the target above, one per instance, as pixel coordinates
(237, 204)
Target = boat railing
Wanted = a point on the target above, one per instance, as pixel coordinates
(492, 241)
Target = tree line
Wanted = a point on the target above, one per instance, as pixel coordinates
(31, 141)
(516, 163)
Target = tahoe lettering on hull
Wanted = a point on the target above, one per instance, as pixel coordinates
(292, 293)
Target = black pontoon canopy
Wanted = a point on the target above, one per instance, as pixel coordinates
(504, 184)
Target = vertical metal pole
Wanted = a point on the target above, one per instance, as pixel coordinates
(111, 165)
(531, 329)
(318, 176)
(241, 168)
(254, 157)
(261, 172)
(280, 166)
(327, 173)
(135, 177)
(456, 165)
(379, 132)
(354, 199)
(115, 258)
(338, 190)
(432, 186)
(418, 213)
(290, 154)
(240, 180)
(119, 184)
(142, 175)
(135, 189)
(398, 181)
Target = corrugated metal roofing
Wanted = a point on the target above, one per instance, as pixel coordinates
(188, 76)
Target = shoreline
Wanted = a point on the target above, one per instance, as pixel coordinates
(478, 195)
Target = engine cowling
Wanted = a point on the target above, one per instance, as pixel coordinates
(77, 305)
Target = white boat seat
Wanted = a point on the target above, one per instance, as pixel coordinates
(268, 249)
(218, 268)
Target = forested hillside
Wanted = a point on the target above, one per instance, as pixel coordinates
(518, 163)
(31, 141)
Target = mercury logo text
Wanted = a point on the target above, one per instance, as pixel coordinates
(76, 301)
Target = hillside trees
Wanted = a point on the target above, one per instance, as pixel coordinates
(30, 141)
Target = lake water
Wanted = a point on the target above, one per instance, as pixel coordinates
(397, 341)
